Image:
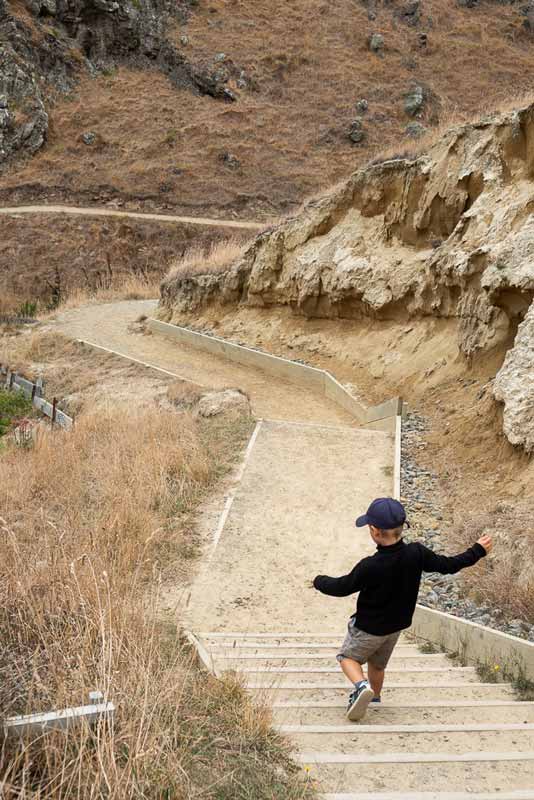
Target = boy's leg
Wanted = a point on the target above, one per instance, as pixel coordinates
(353, 654)
(376, 678)
(376, 666)
(352, 669)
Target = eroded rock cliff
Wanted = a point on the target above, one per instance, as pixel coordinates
(448, 234)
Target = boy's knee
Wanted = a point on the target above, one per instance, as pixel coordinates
(377, 668)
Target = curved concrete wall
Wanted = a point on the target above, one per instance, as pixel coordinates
(381, 417)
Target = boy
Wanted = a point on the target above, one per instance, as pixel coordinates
(388, 583)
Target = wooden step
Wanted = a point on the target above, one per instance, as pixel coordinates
(455, 774)
(310, 647)
(416, 658)
(400, 740)
(393, 713)
(320, 757)
(282, 670)
(344, 685)
(399, 692)
(360, 729)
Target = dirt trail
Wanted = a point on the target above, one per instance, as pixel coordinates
(111, 212)
(290, 515)
(108, 325)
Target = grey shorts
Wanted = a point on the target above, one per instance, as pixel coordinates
(363, 647)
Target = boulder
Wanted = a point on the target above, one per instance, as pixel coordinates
(215, 403)
(376, 43)
(409, 12)
(229, 160)
(356, 132)
(414, 100)
(415, 130)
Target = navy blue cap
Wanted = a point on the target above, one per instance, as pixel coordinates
(384, 513)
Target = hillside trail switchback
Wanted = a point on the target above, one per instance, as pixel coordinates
(441, 732)
(96, 211)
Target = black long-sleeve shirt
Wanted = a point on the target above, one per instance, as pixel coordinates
(388, 583)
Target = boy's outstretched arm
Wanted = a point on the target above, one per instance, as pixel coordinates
(449, 565)
(342, 587)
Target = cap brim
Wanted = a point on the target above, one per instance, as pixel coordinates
(361, 521)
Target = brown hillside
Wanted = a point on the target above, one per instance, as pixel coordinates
(305, 64)
(296, 70)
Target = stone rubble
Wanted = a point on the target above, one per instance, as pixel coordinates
(441, 592)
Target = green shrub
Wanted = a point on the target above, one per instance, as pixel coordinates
(13, 406)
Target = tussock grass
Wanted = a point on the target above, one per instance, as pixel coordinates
(182, 393)
(90, 526)
(130, 287)
(505, 579)
(199, 261)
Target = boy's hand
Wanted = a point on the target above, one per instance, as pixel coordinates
(486, 542)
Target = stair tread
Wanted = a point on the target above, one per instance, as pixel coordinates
(320, 757)
(518, 794)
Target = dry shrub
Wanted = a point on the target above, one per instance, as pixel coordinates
(125, 287)
(88, 521)
(37, 347)
(9, 302)
(183, 393)
(506, 578)
(198, 261)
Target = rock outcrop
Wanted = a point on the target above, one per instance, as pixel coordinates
(514, 386)
(45, 44)
(449, 234)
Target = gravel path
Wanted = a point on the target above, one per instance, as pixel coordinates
(292, 518)
(112, 212)
(442, 592)
(109, 325)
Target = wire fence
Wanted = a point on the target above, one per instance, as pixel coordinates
(34, 391)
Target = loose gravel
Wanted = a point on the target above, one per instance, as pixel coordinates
(426, 515)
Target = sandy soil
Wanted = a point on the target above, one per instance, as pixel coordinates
(107, 325)
(292, 518)
(417, 360)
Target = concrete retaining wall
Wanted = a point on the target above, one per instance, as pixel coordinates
(380, 417)
(476, 643)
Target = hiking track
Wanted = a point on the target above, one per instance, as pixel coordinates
(89, 211)
(440, 732)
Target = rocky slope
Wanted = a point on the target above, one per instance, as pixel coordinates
(448, 234)
(127, 93)
(46, 44)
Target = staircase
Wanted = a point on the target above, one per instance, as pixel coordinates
(439, 734)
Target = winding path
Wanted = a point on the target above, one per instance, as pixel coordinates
(441, 733)
(112, 212)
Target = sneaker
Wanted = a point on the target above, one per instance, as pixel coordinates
(376, 700)
(358, 701)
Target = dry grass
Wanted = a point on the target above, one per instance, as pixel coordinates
(9, 302)
(161, 146)
(87, 255)
(506, 579)
(199, 261)
(126, 287)
(90, 522)
(181, 393)
(289, 129)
